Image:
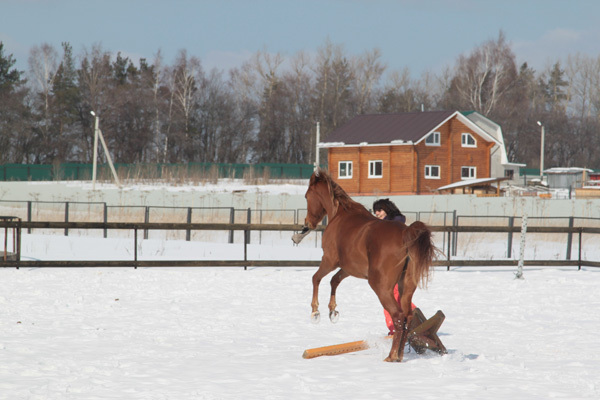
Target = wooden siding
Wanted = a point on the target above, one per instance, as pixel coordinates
(374, 185)
(336, 155)
(478, 157)
(403, 173)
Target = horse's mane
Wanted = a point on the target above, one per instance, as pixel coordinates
(337, 193)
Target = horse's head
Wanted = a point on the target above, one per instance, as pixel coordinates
(315, 211)
(318, 199)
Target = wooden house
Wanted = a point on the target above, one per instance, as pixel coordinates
(408, 153)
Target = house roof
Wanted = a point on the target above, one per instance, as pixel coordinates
(386, 128)
(393, 128)
(566, 171)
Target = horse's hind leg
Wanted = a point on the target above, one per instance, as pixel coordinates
(397, 350)
(334, 315)
(401, 325)
(390, 304)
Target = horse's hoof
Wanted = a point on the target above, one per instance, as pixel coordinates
(390, 359)
(315, 317)
(334, 316)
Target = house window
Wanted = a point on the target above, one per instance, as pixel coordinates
(468, 173)
(468, 140)
(345, 170)
(432, 172)
(433, 139)
(509, 173)
(376, 169)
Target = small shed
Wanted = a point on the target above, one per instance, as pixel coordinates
(483, 186)
(566, 178)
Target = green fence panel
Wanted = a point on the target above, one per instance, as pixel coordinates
(76, 171)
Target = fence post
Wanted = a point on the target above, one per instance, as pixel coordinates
(66, 217)
(135, 241)
(105, 220)
(511, 223)
(449, 248)
(188, 233)
(455, 234)
(580, 232)
(247, 237)
(29, 215)
(260, 222)
(248, 221)
(231, 221)
(519, 274)
(5, 254)
(146, 220)
(444, 235)
(245, 250)
(19, 241)
(569, 239)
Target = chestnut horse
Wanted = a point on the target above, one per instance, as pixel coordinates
(363, 246)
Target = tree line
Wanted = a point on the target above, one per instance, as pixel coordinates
(266, 110)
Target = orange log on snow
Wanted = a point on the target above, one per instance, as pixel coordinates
(336, 349)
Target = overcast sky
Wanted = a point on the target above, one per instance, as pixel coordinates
(423, 35)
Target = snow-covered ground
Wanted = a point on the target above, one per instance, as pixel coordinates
(229, 333)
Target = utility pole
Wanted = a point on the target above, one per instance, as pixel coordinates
(98, 134)
(96, 124)
(317, 140)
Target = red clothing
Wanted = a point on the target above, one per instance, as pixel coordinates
(388, 317)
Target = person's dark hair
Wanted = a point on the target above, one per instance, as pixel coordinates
(388, 206)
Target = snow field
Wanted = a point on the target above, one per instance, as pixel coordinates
(226, 333)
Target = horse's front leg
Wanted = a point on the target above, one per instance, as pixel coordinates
(334, 315)
(324, 269)
(315, 315)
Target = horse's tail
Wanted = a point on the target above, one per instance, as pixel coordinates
(421, 251)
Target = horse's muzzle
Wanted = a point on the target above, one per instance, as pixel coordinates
(297, 238)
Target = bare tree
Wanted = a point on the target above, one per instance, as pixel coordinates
(244, 120)
(402, 94)
(485, 76)
(583, 101)
(272, 135)
(583, 93)
(182, 84)
(334, 77)
(156, 76)
(15, 129)
(300, 120)
(43, 65)
(367, 72)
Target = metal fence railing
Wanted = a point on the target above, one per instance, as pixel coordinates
(450, 231)
(564, 244)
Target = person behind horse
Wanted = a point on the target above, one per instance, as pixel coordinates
(387, 210)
